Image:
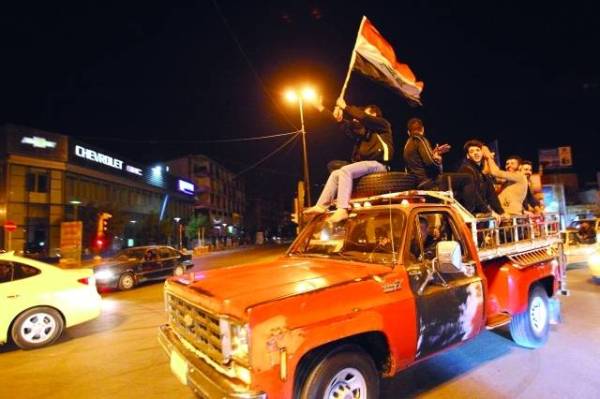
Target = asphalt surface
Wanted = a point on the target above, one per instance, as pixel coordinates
(118, 356)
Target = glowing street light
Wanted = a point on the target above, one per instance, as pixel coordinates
(306, 94)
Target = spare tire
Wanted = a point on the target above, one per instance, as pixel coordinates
(382, 183)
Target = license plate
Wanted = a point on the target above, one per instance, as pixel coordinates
(179, 367)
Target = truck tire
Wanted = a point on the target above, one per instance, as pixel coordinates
(382, 183)
(530, 329)
(37, 327)
(345, 372)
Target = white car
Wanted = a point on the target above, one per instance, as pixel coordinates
(38, 300)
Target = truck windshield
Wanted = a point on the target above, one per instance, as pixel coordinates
(371, 236)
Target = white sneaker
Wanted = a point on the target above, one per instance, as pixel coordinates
(315, 210)
(338, 216)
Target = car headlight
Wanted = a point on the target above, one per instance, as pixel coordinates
(234, 340)
(104, 275)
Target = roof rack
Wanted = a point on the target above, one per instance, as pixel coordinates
(445, 197)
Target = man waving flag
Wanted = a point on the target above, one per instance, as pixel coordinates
(375, 58)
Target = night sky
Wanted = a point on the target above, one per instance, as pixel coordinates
(144, 79)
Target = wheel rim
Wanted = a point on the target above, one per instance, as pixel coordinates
(538, 315)
(38, 328)
(178, 271)
(127, 281)
(348, 383)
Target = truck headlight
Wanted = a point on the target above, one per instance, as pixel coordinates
(104, 275)
(234, 340)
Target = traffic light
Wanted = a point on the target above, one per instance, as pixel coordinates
(103, 223)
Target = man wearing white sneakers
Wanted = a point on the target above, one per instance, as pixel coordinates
(373, 150)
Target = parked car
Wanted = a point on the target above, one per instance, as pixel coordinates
(38, 300)
(132, 266)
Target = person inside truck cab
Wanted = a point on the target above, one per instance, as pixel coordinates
(373, 150)
(422, 246)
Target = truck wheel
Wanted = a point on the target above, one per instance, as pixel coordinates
(37, 327)
(382, 183)
(126, 281)
(344, 373)
(530, 328)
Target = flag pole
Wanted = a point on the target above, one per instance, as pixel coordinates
(352, 59)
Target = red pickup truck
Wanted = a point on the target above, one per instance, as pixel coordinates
(407, 275)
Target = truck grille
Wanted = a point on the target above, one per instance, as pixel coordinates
(198, 327)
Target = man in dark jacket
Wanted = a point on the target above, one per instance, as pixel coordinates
(373, 150)
(421, 161)
(478, 195)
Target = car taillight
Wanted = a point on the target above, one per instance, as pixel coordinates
(87, 280)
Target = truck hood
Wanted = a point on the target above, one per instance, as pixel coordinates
(234, 289)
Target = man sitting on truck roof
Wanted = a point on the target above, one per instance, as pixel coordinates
(478, 195)
(420, 159)
(373, 150)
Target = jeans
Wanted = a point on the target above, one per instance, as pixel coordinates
(340, 182)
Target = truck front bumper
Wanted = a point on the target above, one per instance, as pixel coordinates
(192, 371)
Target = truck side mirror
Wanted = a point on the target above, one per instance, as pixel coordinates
(449, 257)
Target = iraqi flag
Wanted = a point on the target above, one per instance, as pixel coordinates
(375, 58)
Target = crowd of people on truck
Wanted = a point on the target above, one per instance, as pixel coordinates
(479, 184)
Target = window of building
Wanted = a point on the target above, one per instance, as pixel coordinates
(37, 181)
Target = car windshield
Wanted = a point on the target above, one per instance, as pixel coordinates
(371, 236)
(137, 253)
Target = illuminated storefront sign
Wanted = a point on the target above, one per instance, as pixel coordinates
(107, 160)
(38, 142)
(185, 187)
(134, 170)
(94, 156)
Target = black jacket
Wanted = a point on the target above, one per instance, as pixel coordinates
(481, 197)
(418, 159)
(372, 136)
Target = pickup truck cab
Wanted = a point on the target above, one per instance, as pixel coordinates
(406, 276)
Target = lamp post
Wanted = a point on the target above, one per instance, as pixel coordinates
(179, 229)
(307, 94)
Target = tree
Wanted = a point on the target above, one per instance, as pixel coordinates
(195, 225)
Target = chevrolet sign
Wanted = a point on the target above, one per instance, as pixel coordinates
(38, 142)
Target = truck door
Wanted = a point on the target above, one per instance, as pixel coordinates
(449, 306)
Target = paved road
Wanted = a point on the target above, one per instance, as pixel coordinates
(117, 355)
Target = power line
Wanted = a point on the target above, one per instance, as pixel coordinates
(268, 155)
(240, 139)
(247, 59)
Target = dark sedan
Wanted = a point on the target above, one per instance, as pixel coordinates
(132, 266)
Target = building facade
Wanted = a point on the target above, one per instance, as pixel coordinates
(48, 178)
(219, 195)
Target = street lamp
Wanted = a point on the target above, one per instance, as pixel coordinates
(300, 96)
